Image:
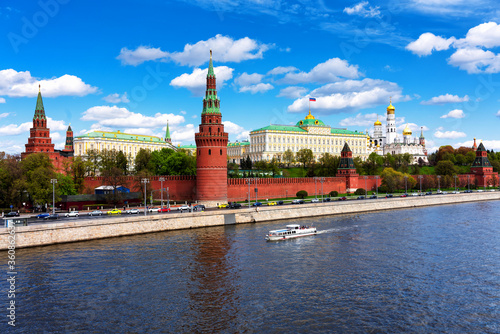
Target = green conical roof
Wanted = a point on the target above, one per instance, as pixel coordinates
(39, 110)
(211, 103)
(167, 134)
(69, 128)
(211, 66)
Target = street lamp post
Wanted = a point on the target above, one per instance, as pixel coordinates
(406, 178)
(420, 177)
(168, 198)
(256, 190)
(145, 182)
(315, 189)
(53, 181)
(484, 182)
(439, 187)
(322, 180)
(161, 186)
(455, 177)
(248, 181)
(366, 188)
(376, 183)
(468, 183)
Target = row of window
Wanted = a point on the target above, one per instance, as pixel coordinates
(294, 140)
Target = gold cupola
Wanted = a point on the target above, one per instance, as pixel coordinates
(309, 116)
(390, 108)
(377, 122)
(407, 131)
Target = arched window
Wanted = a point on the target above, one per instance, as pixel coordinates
(199, 152)
(209, 152)
(210, 130)
(210, 121)
(221, 152)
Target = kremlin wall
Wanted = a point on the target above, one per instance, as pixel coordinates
(211, 185)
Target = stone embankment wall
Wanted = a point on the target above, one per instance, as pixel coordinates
(39, 235)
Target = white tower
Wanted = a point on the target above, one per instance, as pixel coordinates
(407, 135)
(391, 124)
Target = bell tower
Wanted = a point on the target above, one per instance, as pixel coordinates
(211, 148)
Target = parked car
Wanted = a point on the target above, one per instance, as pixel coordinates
(455, 192)
(429, 193)
(184, 207)
(235, 206)
(389, 196)
(95, 213)
(480, 190)
(467, 191)
(72, 214)
(414, 194)
(439, 192)
(43, 215)
(12, 214)
(342, 198)
(361, 197)
(164, 209)
(115, 212)
(132, 211)
(257, 204)
(272, 203)
(51, 216)
(315, 200)
(445, 193)
(404, 195)
(328, 199)
(298, 201)
(222, 206)
(200, 207)
(154, 210)
(280, 202)
(373, 197)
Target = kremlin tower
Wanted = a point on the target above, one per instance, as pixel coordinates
(347, 169)
(211, 148)
(391, 124)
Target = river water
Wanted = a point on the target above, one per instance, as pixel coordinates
(426, 270)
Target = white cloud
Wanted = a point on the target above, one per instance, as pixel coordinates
(498, 113)
(121, 118)
(5, 114)
(183, 133)
(363, 9)
(415, 129)
(447, 98)
(116, 98)
(366, 120)
(456, 113)
(428, 42)
(349, 95)
(225, 49)
(292, 92)
(331, 70)
(2, 100)
(140, 55)
(234, 129)
(475, 60)
(13, 129)
(22, 84)
(252, 83)
(258, 88)
(55, 125)
(196, 81)
(183, 112)
(486, 34)
(449, 134)
(282, 70)
(488, 144)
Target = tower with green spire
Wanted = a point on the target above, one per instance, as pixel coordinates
(211, 148)
(347, 169)
(39, 140)
(69, 140)
(167, 135)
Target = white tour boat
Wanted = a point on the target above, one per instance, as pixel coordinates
(291, 231)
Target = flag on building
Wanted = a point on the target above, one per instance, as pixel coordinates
(312, 99)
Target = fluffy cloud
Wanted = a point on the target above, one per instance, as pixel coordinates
(349, 95)
(3, 115)
(475, 60)
(413, 127)
(484, 35)
(447, 98)
(227, 50)
(116, 98)
(429, 42)
(183, 133)
(235, 129)
(488, 144)
(363, 9)
(449, 134)
(331, 70)
(292, 92)
(252, 83)
(120, 118)
(498, 113)
(140, 55)
(13, 129)
(22, 84)
(366, 120)
(2, 100)
(456, 113)
(282, 70)
(196, 81)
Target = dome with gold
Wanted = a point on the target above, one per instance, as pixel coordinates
(390, 108)
(407, 131)
(377, 122)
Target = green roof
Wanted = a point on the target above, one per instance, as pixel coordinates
(290, 128)
(243, 143)
(122, 136)
(345, 132)
(310, 122)
(39, 109)
(167, 135)
(190, 146)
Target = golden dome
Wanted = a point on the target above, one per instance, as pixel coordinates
(390, 108)
(407, 131)
(377, 122)
(309, 116)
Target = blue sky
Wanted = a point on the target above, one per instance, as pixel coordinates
(134, 66)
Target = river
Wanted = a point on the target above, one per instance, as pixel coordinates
(425, 270)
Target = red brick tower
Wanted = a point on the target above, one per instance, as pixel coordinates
(39, 140)
(481, 167)
(68, 147)
(211, 148)
(347, 169)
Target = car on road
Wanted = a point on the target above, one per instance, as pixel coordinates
(343, 198)
(492, 190)
(455, 192)
(414, 194)
(361, 197)
(257, 204)
(480, 190)
(328, 199)
(184, 207)
(234, 206)
(154, 210)
(72, 214)
(51, 216)
(445, 193)
(373, 197)
(389, 196)
(164, 209)
(115, 212)
(222, 206)
(42, 215)
(404, 195)
(271, 203)
(132, 211)
(200, 207)
(280, 202)
(315, 200)
(95, 213)
(12, 214)
(429, 193)
(298, 201)
(468, 191)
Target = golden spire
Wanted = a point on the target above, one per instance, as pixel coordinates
(390, 108)
(377, 122)
(309, 116)
(210, 53)
(39, 88)
(407, 131)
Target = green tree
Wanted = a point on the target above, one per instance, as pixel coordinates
(288, 157)
(305, 156)
(328, 165)
(446, 167)
(143, 161)
(78, 170)
(10, 176)
(38, 171)
(301, 194)
(393, 180)
(65, 185)
(122, 162)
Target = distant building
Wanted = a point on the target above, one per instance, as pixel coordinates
(237, 151)
(40, 141)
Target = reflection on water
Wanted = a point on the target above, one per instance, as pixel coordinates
(433, 269)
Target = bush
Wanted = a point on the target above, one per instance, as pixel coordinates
(360, 191)
(383, 189)
(334, 193)
(301, 194)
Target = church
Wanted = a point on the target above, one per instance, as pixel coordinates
(391, 143)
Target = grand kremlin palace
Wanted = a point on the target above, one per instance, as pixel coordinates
(310, 133)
